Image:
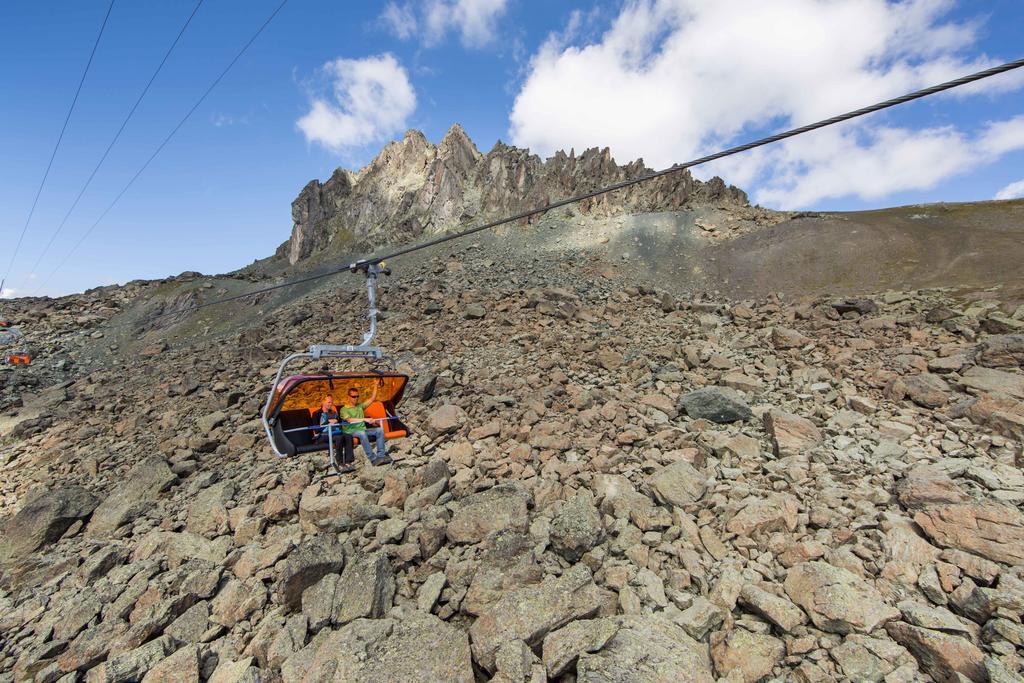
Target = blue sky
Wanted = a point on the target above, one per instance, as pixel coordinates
(661, 79)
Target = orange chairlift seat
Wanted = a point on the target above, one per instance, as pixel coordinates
(291, 415)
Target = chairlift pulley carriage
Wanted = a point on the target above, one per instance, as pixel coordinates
(291, 415)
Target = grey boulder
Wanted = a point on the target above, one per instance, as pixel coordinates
(43, 520)
(647, 649)
(409, 646)
(717, 404)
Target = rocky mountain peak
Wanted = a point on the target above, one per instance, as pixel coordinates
(458, 147)
(401, 158)
(414, 186)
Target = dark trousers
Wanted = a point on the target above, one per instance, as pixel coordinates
(343, 449)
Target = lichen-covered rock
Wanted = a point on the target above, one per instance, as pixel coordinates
(776, 609)
(306, 565)
(993, 531)
(863, 658)
(836, 600)
(178, 547)
(143, 483)
(183, 665)
(927, 390)
(989, 381)
(576, 528)
(508, 561)
(752, 655)
(43, 519)
(786, 338)
(1002, 351)
(236, 601)
(777, 512)
(132, 665)
(940, 655)
(562, 648)
(409, 646)
(478, 515)
(790, 434)
(678, 484)
(365, 589)
(531, 612)
(924, 485)
(208, 514)
(647, 649)
(446, 419)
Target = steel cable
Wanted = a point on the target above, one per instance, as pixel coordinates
(161, 146)
(113, 141)
(60, 137)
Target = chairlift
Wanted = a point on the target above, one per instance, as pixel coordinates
(291, 415)
(10, 336)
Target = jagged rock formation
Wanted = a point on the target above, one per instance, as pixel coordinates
(413, 187)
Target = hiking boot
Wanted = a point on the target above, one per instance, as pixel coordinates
(382, 461)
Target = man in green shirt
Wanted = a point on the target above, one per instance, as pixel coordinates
(354, 423)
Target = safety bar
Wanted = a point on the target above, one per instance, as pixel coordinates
(368, 419)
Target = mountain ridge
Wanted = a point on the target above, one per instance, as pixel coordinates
(414, 187)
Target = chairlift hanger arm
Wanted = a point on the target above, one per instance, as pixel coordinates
(372, 270)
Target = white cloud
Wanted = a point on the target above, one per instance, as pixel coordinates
(1011, 191)
(221, 120)
(878, 161)
(1004, 136)
(672, 79)
(7, 293)
(371, 99)
(400, 19)
(474, 20)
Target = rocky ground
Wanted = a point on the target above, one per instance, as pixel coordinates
(607, 481)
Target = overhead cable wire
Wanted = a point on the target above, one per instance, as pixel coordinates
(53, 155)
(163, 144)
(117, 135)
(362, 263)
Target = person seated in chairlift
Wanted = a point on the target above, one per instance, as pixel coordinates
(330, 420)
(355, 425)
(329, 416)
